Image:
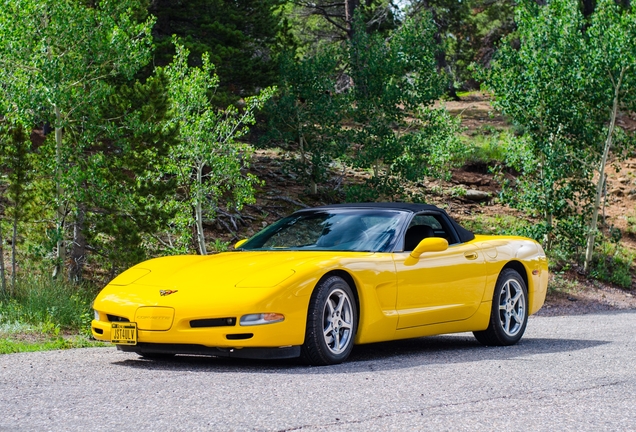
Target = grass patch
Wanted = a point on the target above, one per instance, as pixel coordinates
(15, 345)
(496, 225)
(486, 150)
(613, 263)
(48, 304)
(41, 313)
(631, 225)
(560, 284)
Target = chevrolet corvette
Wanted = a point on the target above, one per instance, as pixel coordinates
(322, 280)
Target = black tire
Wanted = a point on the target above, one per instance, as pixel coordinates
(332, 321)
(509, 313)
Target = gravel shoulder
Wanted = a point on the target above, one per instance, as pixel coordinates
(572, 297)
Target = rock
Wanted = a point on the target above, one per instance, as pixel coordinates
(477, 195)
(617, 192)
(623, 180)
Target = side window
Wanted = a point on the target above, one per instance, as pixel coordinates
(427, 225)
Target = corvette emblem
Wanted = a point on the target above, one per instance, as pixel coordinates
(167, 292)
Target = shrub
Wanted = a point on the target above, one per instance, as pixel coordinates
(48, 303)
(612, 263)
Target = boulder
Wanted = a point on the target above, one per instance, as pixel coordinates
(477, 195)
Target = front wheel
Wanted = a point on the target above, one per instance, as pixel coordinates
(331, 323)
(509, 313)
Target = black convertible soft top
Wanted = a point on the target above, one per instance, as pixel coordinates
(464, 234)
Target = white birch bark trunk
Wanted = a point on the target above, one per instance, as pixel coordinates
(591, 236)
(198, 212)
(61, 248)
(3, 278)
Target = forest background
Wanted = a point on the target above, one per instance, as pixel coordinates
(133, 128)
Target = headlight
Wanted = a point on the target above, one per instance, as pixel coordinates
(262, 318)
(96, 315)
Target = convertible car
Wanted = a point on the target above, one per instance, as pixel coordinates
(319, 281)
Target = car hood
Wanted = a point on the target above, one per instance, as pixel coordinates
(230, 269)
(225, 280)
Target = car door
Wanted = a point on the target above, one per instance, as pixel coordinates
(439, 286)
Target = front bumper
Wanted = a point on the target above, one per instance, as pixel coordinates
(246, 353)
(286, 333)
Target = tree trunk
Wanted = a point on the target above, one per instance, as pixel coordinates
(547, 239)
(591, 236)
(301, 144)
(3, 279)
(78, 249)
(350, 9)
(588, 7)
(14, 240)
(61, 248)
(198, 212)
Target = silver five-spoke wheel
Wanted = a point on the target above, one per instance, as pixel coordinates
(332, 320)
(338, 321)
(509, 313)
(512, 307)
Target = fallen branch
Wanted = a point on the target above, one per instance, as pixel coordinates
(289, 200)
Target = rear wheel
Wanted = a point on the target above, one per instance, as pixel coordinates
(509, 313)
(331, 323)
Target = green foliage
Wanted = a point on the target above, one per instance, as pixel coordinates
(611, 70)
(17, 159)
(563, 86)
(395, 132)
(561, 284)
(50, 305)
(496, 225)
(538, 85)
(306, 115)
(60, 64)
(489, 148)
(209, 162)
(220, 246)
(125, 192)
(318, 24)
(368, 104)
(63, 53)
(469, 31)
(10, 346)
(238, 36)
(613, 263)
(631, 225)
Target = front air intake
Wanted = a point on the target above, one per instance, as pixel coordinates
(240, 336)
(213, 322)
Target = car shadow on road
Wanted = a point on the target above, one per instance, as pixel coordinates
(445, 349)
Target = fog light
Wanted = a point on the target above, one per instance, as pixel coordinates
(262, 318)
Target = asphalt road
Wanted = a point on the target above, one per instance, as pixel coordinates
(568, 373)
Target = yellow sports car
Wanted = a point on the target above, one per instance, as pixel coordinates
(323, 279)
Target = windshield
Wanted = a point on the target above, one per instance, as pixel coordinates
(356, 230)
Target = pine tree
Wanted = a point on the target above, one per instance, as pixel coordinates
(121, 187)
(237, 35)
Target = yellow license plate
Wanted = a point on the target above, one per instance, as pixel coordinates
(124, 333)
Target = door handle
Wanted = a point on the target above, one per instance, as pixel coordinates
(471, 255)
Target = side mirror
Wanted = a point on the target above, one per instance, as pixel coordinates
(239, 243)
(430, 244)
